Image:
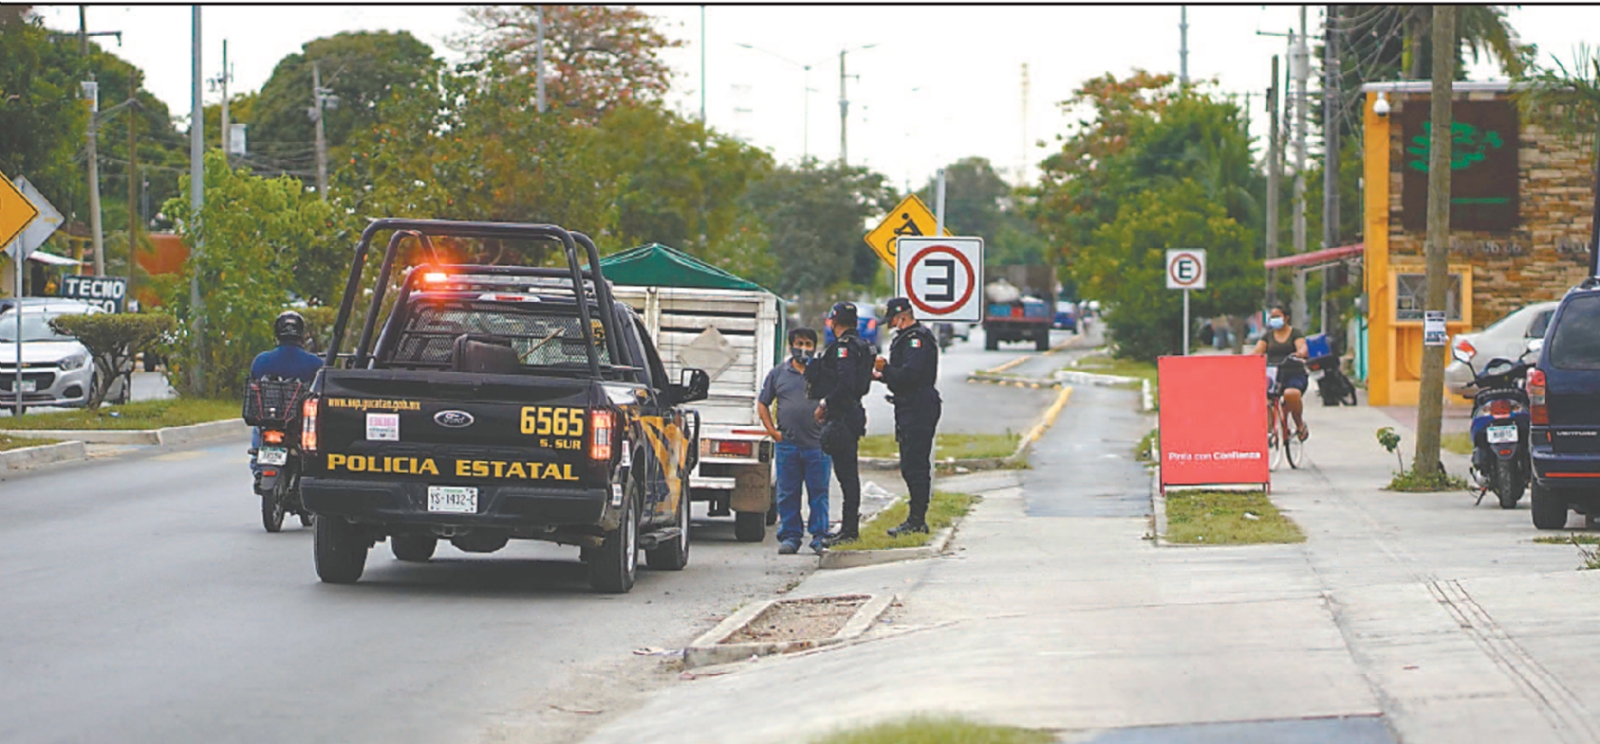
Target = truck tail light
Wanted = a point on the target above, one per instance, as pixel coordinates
(308, 431)
(601, 425)
(1538, 414)
(732, 448)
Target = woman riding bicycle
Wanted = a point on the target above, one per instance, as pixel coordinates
(1280, 343)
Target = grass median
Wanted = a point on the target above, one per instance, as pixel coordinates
(1227, 518)
(940, 730)
(959, 446)
(943, 510)
(11, 443)
(1459, 442)
(146, 414)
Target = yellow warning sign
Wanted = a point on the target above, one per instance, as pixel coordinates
(909, 217)
(15, 210)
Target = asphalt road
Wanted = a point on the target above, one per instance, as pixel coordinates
(144, 603)
(977, 408)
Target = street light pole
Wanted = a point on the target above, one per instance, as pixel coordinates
(844, 106)
(805, 106)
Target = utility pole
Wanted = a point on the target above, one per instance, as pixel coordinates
(1332, 105)
(844, 115)
(319, 96)
(1274, 179)
(1022, 170)
(133, 178)
(1300, 64)
(197, 197)
(538, 14)
(1183, 44)
(702, 65)
(222, 77)
(91, 91)
(1430, 396)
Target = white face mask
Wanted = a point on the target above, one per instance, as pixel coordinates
(1275, 323)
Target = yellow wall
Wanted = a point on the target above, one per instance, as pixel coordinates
(1394, 348)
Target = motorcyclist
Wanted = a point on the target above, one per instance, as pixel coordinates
(290, 360)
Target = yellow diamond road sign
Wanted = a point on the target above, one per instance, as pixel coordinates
(15, 210)
(909, 217)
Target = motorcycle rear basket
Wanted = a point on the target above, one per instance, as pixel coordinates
(273, 403)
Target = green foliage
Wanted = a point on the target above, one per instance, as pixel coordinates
(1390, 439)
(943, 511)
(363, 68)
(319, 326)
(254, 235)
(113, 340)
(937, 730)
(1412, 481)
(1227, 518)
(1125, 266)
(1564, 99)
(142, 414)
(979, 202)
(813, 216)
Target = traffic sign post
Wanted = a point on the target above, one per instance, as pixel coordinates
(942, 276)
(15, 214)
(909, 219)
(1186, 270)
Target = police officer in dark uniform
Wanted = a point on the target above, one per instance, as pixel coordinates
(910, 372)
(840, 376)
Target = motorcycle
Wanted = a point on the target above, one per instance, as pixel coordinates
(1500, 419)
(273, 405)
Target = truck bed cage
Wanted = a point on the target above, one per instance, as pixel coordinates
(597, 287)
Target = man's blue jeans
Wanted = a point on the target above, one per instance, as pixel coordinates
(798, 466)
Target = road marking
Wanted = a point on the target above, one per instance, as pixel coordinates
(1006, 366)
(1048, 420)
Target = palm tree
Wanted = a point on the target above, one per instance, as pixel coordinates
(1566, 100)
(1480, 30)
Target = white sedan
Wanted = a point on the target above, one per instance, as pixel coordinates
(56, 369)
(1506, 338)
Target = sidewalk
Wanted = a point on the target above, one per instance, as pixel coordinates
(1405, 617)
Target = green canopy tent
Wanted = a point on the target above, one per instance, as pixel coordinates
(657, 265)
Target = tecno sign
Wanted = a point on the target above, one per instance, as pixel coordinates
(108, 292)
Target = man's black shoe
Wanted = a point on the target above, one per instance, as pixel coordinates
(907, 527)
(839, 538)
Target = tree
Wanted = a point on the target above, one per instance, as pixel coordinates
(1430, 401)
(363, 68)
(979, 202)
(255, 232)
(1125, 264)
(814, 216)
(1566, 100)
(113, 340)
(597, 57)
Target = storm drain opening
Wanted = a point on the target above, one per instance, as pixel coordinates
(785, 626)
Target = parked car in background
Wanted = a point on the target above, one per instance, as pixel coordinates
(1066, 316)
(1505, 338)
(56, 369)
(866, 324)
(1564, 411)
(7, 303)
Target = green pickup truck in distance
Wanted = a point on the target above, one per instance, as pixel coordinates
(498, 403)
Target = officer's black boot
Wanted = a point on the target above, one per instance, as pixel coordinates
(907, 527)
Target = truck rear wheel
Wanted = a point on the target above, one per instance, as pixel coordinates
(340, 551)
(1549, 508)
(750, 526)
(614, 565)
(413, 548)
(1041, 341)
(991, 342)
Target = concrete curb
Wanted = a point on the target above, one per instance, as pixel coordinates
(857, 558)
(708, 649)
(1027, 382)
(1091, 378)
(44, 454)
(170, 435)
(970, 463)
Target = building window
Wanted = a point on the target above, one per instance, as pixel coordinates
(1411, 295)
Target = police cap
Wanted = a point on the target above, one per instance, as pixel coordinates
(843, 311)
(896, 306)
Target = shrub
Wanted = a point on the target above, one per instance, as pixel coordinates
(113, 340)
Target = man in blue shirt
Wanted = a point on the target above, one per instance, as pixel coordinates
(799, 456)
(289, 360)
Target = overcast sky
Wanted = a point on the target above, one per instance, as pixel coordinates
(939, 83)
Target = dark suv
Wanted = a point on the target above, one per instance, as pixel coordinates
(1564, 398)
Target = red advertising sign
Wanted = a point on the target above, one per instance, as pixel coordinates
(1213, 420)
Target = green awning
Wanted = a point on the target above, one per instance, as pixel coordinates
(662, 266)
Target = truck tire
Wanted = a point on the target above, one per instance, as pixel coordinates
(413, 548)
(674, 555)
(750, 526)
(340, 551)
(991, 342)
(1549, 509)
(772, 512)
(1041, 341)
(614, 565)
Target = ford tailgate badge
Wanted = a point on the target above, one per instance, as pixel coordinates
(453, 419)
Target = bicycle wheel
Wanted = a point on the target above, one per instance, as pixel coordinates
(1294, 449)
(1274, 444)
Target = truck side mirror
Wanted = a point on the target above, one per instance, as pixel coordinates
(693, 385)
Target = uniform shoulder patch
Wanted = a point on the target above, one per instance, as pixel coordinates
(916, 343)
(844, 351)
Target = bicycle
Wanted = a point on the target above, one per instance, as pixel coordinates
(1282, 444)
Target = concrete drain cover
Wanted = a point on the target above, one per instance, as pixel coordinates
(785, 626)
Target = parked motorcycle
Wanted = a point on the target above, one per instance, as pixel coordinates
(1500, 418)
(273, 405)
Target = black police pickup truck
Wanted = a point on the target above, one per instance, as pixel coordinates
(497, 402)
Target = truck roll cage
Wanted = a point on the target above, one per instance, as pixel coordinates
(600, 289)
